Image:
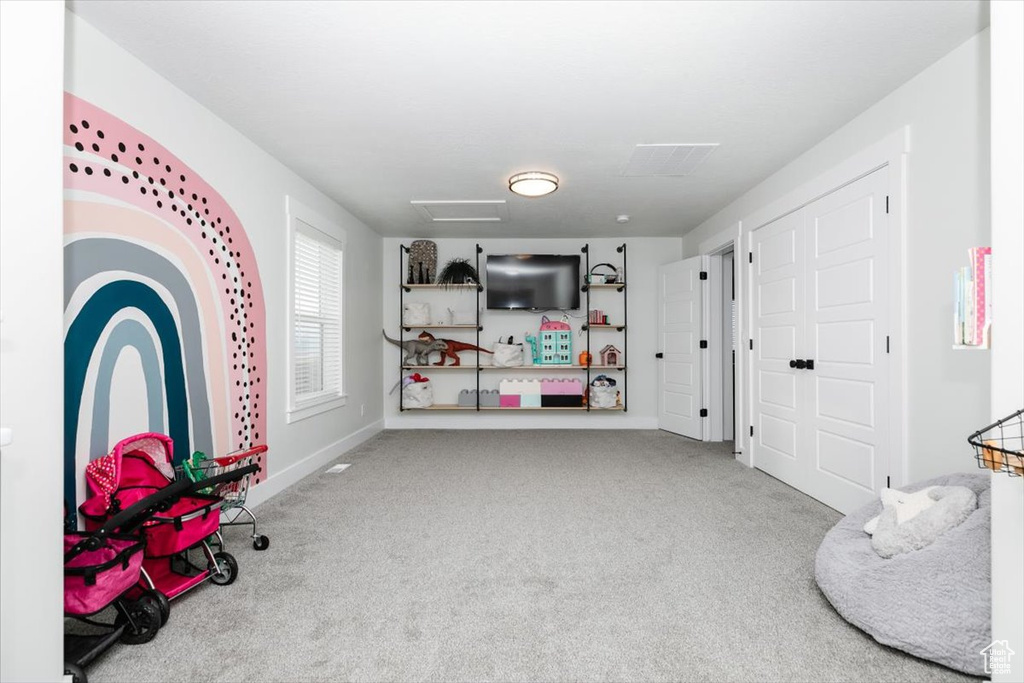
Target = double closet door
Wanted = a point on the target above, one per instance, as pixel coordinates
(820, 371)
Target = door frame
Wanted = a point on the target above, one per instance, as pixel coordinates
(712, 250)
(891, 152)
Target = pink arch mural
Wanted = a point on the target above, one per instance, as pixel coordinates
(126, 192)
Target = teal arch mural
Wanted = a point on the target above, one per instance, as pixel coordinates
(79, 344)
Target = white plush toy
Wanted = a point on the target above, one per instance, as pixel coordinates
(908, 505)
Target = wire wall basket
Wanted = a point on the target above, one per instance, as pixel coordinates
(1000, 446)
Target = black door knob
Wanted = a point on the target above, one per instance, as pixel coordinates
(799, 364)
(659, 354)
(792, 363)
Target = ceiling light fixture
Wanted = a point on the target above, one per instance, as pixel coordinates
(533, 183)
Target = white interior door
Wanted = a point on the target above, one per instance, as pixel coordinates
(819, 323)
(845, 335)
(778, 323)
(680, 299)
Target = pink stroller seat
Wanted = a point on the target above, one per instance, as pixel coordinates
(95, 578)
(138, 467)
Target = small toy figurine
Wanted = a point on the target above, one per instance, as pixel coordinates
(534, 353)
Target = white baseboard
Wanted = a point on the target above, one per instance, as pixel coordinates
(303, 468)
(432, 420)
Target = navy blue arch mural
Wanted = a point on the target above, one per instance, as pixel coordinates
(79, 345)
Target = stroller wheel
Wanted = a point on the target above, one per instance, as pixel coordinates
(228, 569)
(144, 623)
(162, 604)
(76, 672)
(261, 543)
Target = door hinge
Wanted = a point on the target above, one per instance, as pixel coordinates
(750, 256)
(703, 275)
(887, 203)
(751, 430)
(751, 343)
(703, 412)
(703, 343)
(887, 343)
(888, 483)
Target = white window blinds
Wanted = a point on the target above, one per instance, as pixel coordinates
(317, 322)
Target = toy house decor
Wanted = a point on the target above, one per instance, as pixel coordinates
(611, 356)
(555, 342)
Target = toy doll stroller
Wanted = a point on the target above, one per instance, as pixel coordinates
(102, 568)
(139, 466)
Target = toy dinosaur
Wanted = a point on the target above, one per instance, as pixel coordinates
(417, 350)
(451, 348)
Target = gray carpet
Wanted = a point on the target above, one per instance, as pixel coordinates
(524, 556)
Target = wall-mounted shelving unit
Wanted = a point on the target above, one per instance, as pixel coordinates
(586, 288)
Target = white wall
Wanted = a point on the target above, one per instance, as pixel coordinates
(644, 255)
(1008, 314)
(255, 185)
(946, 107)
(31, 352)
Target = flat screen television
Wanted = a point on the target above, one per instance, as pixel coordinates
(533, 281)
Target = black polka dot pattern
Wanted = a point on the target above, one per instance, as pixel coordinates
(151, 176)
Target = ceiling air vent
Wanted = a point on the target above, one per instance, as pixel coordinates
(470, 211)
(677, 160)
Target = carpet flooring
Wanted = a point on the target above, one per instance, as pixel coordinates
(524, 556)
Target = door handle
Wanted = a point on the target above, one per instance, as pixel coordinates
(798, 364)
(659, 354)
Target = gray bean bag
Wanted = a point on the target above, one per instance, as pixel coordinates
(934, 603)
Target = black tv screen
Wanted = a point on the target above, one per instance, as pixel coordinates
(533, 281)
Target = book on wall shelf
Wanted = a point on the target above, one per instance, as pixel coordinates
(972, 304)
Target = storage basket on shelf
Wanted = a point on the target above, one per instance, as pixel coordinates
(603, 393)
(1000, 446)
(418, 394)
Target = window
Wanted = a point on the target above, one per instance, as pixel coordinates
(315, 314)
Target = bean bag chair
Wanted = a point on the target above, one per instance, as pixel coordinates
(935, 602)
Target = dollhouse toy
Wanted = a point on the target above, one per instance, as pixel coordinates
(611, 356)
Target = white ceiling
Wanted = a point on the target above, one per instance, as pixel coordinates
(380, 103)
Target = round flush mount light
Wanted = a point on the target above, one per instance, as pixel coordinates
(533, 183)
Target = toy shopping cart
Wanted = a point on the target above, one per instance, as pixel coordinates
(233, 509)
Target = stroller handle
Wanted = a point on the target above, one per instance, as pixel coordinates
(131, 518)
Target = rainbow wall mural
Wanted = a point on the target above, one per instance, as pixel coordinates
(164, 317)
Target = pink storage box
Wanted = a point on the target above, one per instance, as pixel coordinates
(561, 387)
(509, 400)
